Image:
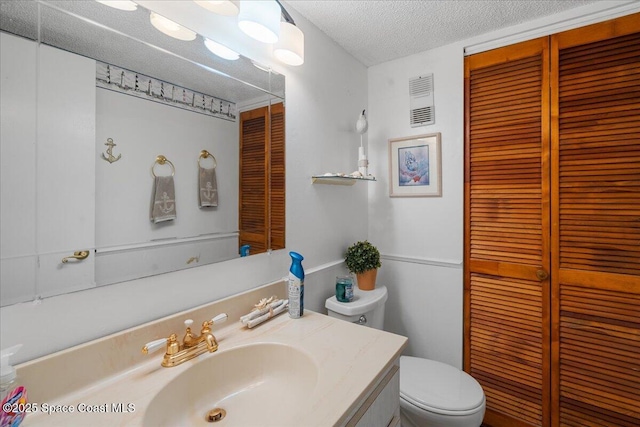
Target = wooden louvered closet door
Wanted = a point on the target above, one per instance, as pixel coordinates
(507, 234)
(565, 350)
(596, 205)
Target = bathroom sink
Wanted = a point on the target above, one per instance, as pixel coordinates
(255, 384)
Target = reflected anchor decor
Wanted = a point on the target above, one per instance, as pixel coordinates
(111, 157)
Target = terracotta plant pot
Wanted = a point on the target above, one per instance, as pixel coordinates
(367, 280)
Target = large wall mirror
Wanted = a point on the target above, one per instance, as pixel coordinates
(104, 117)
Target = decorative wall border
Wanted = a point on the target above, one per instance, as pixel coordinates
(139, 85)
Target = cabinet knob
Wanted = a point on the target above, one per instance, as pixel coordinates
(542, 275)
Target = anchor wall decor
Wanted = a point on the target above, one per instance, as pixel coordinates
(111, 157)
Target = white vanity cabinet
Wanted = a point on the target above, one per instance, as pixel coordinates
(48, 170)
(381, 408)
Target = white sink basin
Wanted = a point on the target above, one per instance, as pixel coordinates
(257, 385)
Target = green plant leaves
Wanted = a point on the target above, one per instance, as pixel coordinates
(362, 256)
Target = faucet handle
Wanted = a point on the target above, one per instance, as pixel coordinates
(188, 323)
(152, 346)
(220, 318)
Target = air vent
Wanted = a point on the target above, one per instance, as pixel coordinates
(422, 109)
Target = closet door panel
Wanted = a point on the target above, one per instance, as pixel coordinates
(254, 214)
(507, 231)
(278, 177)
(596, 241)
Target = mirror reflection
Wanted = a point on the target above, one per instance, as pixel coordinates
(104, 124)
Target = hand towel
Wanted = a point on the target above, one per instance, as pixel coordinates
(207, 187)
(163, 205)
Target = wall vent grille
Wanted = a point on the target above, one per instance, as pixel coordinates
(422, 109)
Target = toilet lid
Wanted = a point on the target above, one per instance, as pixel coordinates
(438, 387)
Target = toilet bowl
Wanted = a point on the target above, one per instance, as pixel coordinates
(431, 393)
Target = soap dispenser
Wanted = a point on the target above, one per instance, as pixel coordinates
(14, 399)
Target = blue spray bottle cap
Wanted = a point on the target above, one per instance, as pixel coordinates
(296, 265)
(244, 250)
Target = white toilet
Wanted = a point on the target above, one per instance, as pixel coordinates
(431, 393)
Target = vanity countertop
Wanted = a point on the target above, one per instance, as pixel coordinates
(350, 360)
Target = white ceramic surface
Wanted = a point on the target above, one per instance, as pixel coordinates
(312, 371)
(251, 383)
(437, 387)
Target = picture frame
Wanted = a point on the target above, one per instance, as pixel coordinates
(415, 166)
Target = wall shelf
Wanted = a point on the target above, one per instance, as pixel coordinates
(338, 179)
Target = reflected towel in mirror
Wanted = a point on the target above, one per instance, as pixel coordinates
(163, 205)
(208, 187)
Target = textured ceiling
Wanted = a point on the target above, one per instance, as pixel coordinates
(379, 31)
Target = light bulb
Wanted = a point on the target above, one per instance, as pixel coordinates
(224, 7)
(120, 4)
(171, 28)
(221, 50)
(260, 20)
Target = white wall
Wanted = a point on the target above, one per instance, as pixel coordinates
(324, 98)
(425, 300)
(421, 239)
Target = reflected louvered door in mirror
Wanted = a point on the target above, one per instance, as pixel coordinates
(254, 215)
(262, 215)
(277, 181)
(507, 231)
(596, 206)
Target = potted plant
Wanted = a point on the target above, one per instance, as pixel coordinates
(363, 259)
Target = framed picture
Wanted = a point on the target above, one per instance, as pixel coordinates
(415, 166)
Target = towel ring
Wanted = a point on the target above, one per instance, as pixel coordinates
(161, 160)
(205, 154)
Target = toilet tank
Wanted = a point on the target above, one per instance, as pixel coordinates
(367, 307)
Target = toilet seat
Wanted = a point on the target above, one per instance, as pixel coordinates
(439, 388)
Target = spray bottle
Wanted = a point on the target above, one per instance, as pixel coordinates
(296, 286)
(14, 399)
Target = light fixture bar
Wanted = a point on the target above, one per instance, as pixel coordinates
(285, 14)
(290, 46)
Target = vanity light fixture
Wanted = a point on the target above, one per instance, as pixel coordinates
(120, 4)
(290, 47)
(224, 7)
(260, 20)
(171, 28)
(221, 50)
(266, 21)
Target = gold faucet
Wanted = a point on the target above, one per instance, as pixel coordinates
(191, 346)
